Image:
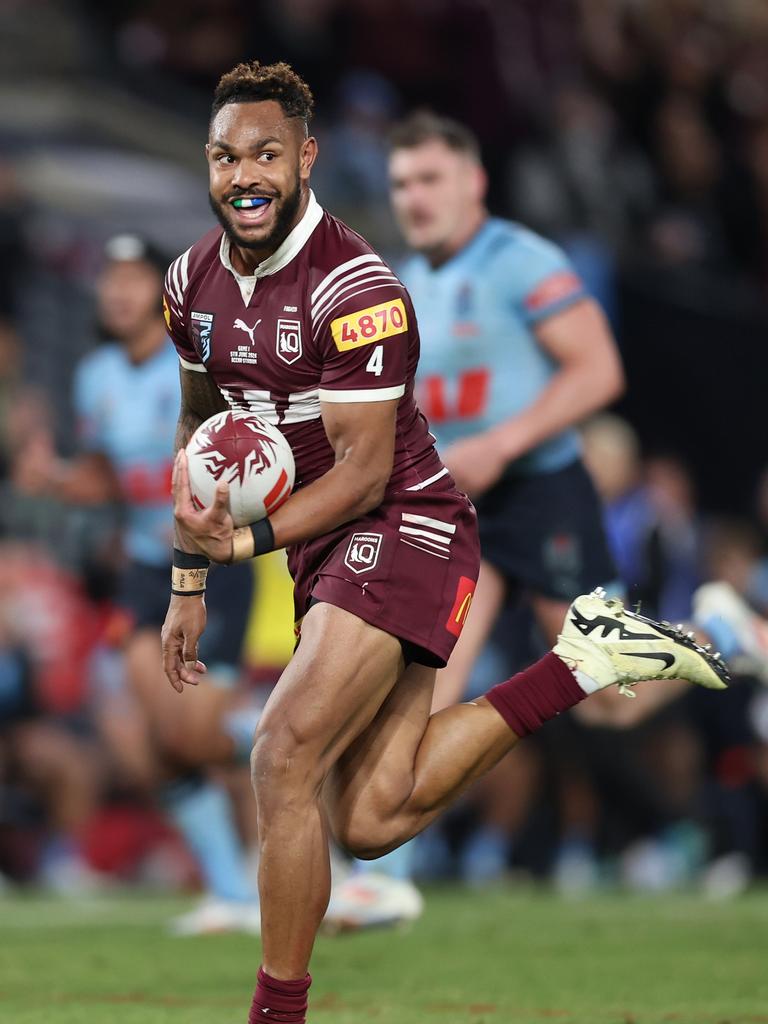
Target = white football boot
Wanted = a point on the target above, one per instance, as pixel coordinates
(605, 645)
(213, 916)
(371, 900)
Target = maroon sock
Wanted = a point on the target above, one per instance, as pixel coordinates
(279, 1001)
(533, 696)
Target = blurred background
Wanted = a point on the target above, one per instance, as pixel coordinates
(632, 132)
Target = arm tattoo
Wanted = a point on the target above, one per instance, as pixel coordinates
(200, 398)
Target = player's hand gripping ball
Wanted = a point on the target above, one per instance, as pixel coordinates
(248, 454)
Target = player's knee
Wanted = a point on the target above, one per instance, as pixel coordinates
(285, 767)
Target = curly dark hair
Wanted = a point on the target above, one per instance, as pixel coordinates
(253, 82)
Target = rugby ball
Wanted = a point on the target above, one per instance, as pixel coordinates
(248, 454)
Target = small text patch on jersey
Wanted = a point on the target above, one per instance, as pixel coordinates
(202, 333)
(166, 313)
(288, 341)
(369, 325)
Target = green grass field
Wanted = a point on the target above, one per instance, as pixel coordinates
(522, 957)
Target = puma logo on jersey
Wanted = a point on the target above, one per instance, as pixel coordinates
(242, 326)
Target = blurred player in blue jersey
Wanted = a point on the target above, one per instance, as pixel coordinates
(126, 397)
(514, 354)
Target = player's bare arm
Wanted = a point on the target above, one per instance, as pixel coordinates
(88, 479)
(362, 435)
(589, 376)
(186, 618)
(200, 399)
(363, 439)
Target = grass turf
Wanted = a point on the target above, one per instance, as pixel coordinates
(489, 958)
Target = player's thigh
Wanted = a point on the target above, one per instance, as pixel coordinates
(488, 599)
(374, 776)
(331, 690)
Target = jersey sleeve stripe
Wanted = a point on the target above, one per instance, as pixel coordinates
(177, 279)
(363, 395)
(177, 276)
(170, 282)
(184, 270)
(349, 280)
(197, 367)
(343, 268)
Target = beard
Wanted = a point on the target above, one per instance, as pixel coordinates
(286, 206)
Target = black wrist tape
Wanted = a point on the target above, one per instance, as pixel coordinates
(185, 560)
(263, 537)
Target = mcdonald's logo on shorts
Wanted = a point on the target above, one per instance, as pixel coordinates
(461, 605)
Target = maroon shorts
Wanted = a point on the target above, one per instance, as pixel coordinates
(409, 568)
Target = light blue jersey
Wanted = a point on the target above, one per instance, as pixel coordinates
(480, 361)
(129, 412)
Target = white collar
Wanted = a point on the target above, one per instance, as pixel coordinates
(290, 247)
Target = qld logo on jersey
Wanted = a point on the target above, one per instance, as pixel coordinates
(202, 333)
(363, 552)
(288, 340)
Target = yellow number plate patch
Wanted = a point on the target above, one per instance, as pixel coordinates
(369, 325)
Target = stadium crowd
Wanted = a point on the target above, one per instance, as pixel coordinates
(634, 134)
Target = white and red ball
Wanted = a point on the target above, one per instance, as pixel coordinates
(247, 453)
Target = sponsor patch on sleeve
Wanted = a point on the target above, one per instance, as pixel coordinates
(553, 289)
(369, 325)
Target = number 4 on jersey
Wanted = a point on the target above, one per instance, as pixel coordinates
(375, 364)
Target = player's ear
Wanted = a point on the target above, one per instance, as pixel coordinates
(307, 157)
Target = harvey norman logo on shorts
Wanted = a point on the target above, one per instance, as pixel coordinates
(363, 552)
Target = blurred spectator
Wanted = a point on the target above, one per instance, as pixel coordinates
(583, 176)
(48, 758)
(351, 178)
(650, 518)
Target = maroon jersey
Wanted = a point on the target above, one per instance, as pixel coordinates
(323, 319)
